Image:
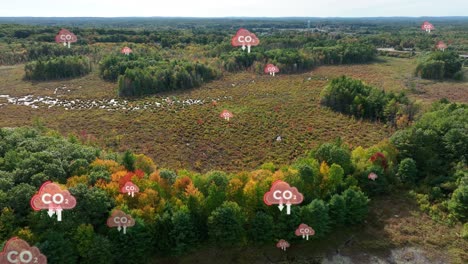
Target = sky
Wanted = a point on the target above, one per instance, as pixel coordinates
(223, 8)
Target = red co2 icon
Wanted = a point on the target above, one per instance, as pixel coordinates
(271, 69)
(372, 176)
(126, 51)
(427, 26)
(281, 193)
(441, 46)
(244, 38)
(52, 197)
(282, 244)
(305, 231)
(120, 220)
(19, 251)
(64, 36)
(226, 115)
(130, 188)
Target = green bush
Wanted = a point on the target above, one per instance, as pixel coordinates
(351, 96)
(407, 171)
(458, 204)
(356, 206)
(459, 76)
(57, 68)
(439, 65)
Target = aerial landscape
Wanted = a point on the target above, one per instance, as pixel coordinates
(185, 136)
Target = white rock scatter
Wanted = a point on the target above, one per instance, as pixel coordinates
(104, 104)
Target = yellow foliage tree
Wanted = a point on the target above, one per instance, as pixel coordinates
(75, 180)
(144, 163)
(111, 165)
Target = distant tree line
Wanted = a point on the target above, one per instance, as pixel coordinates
(353, 97)
(45, 50)
(57, 68)
(298, 60)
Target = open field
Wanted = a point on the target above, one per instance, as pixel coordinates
(194, 137)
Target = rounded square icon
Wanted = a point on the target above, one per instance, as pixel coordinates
(18, 251)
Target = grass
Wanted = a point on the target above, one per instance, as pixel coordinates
(196, 138)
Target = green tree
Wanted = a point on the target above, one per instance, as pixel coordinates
(407, 171)
(316, 216)
(58, 248)
(333, 153)
(93, 205)
(458, 204)
(83, 239)
(286, 224)
(337, 212)
(19, 200)
(225, 224)
(261, 228)
(128, 161)
(356, 206)
(184, 232)
(7, 223)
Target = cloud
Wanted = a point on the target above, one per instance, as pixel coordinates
(119, 218)
(65, 36)
(283, 244)
(129, 187)
(281, 192)
(304, 230)
(244, 37)
(372, 176)
(19, 250)
(126, 50)
(50, 195)
(226, 114)
(271, 68)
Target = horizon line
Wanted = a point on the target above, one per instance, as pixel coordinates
(220, 17)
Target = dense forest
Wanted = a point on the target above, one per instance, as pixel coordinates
(177, 210)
